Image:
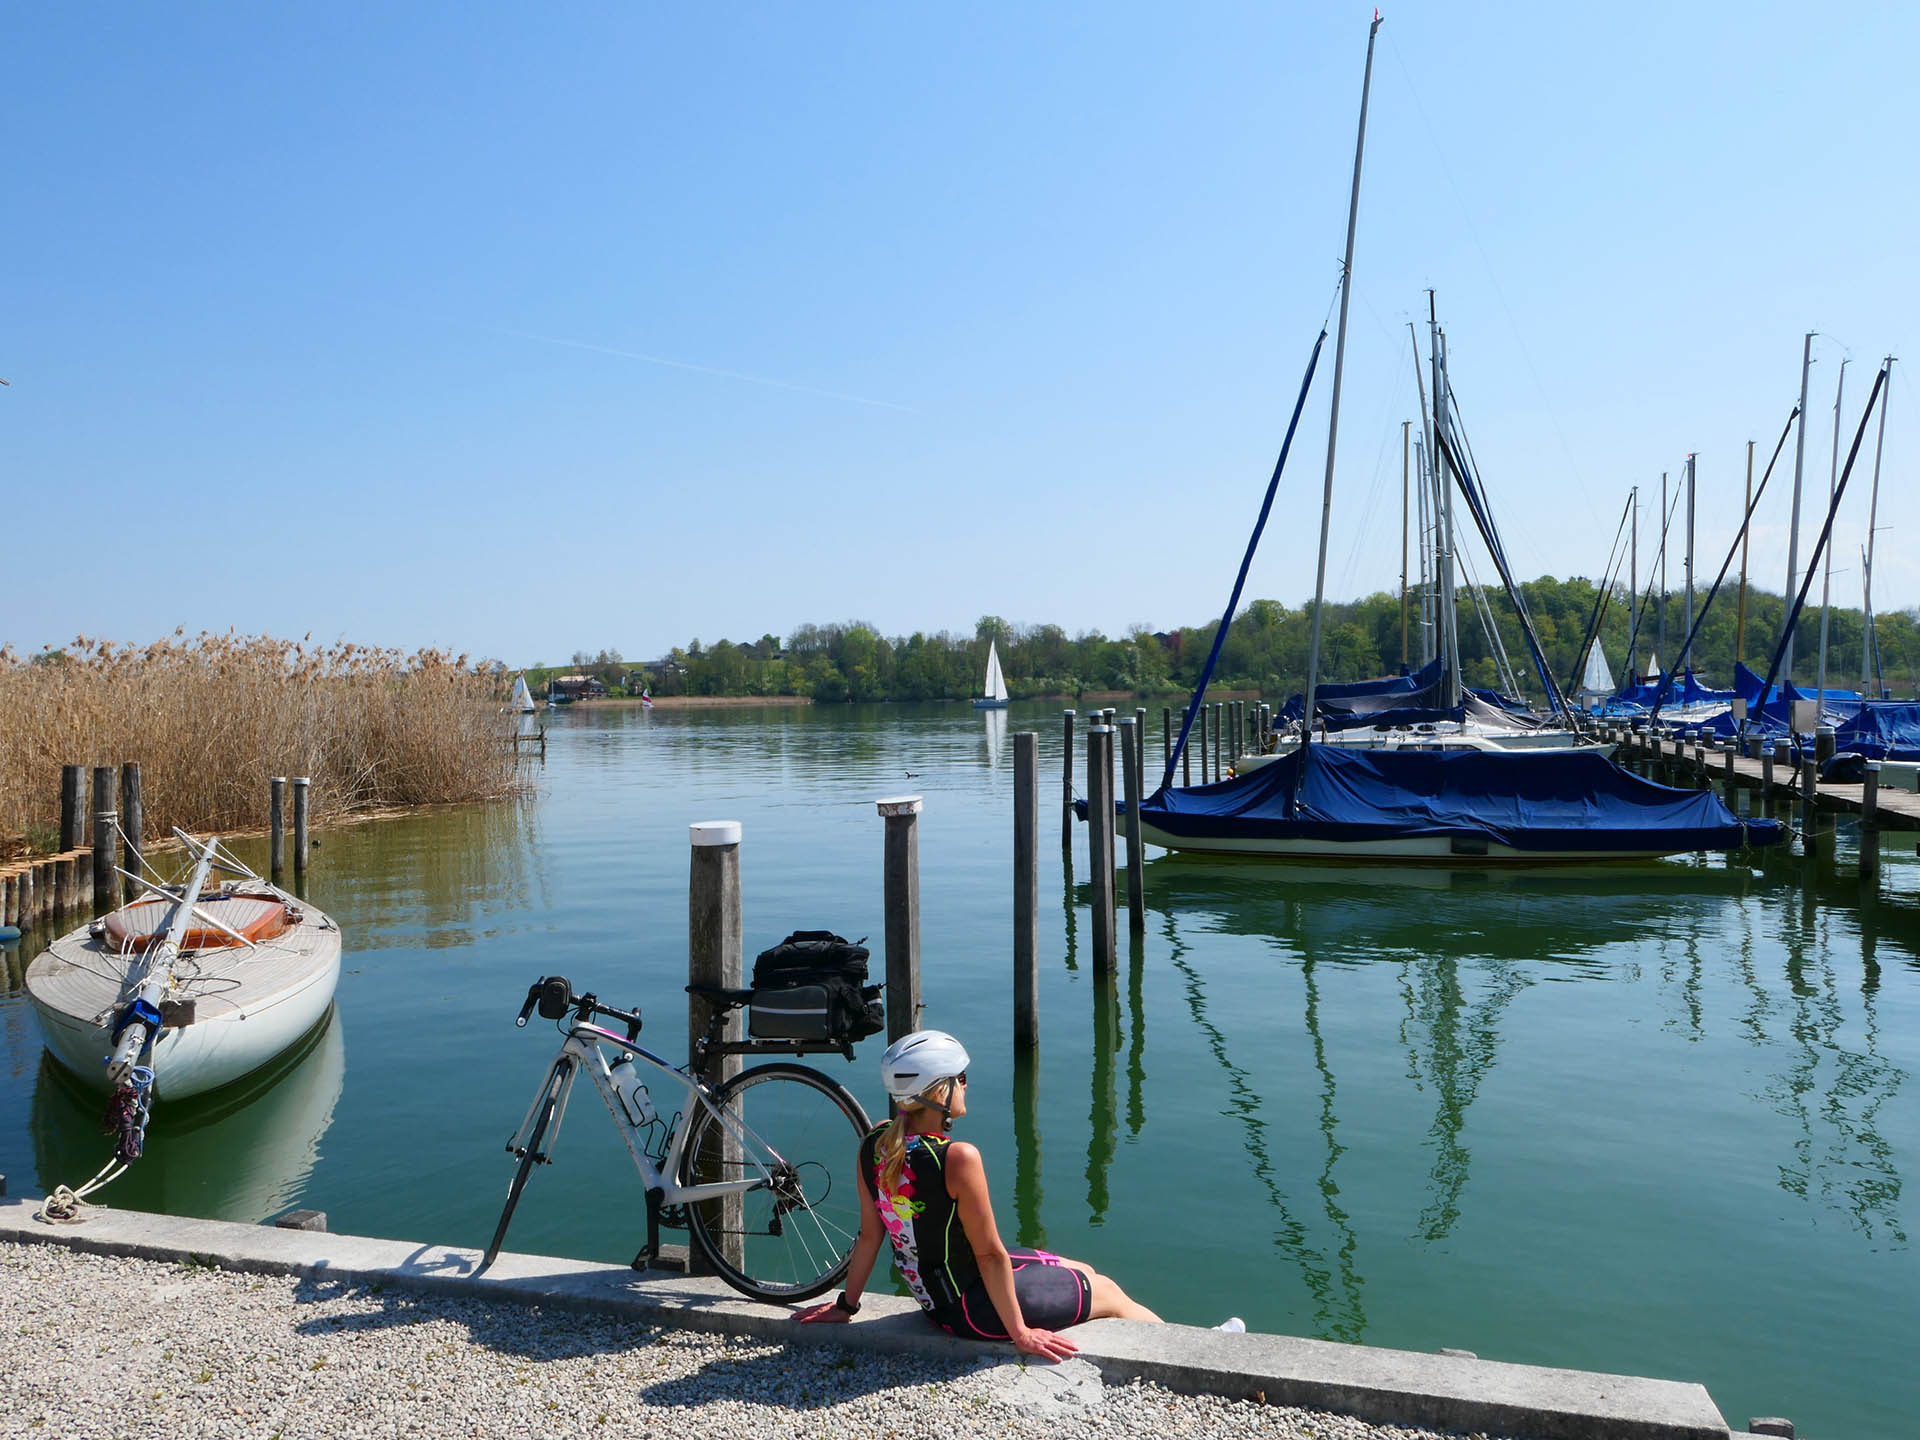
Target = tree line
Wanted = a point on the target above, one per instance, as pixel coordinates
(1266, 650)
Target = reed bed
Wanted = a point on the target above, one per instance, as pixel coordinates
(210, 718)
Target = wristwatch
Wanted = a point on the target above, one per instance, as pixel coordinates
(840, 1302)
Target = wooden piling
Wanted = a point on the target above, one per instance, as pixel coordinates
(1767, 760)
(1186, 759)
(63, 884)
(130, 826)
(1026, 890)
(1100, 844)
(276, 826)
(1727, 765)
(1870, 822)
(1219, 725)
(9, 901)
(301, 784)
(24, 901)
(1130, 768)
(1066, 790)
(106, 884)
(1200, 732)
(714, 958)
(72, 783)
(901, 896)
(1166, 735)
(1824, 743)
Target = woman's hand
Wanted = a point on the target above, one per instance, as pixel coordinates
(827, 1314)
(1045, 1344)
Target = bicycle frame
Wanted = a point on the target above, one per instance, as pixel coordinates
(581, 1051)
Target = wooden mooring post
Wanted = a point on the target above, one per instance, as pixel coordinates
(106, 815)
(276, 826)
(714, 957)
(1870, 822)
(1026, 890)
(1166, 736)
(1066, 789)
(131, 826)
(901, 897)
(1130, 774)
(1100, 844)
(72, 826)
(301, 785)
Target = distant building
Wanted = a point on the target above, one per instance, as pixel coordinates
(575, 687)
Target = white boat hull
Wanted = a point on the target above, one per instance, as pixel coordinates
(237, 1027)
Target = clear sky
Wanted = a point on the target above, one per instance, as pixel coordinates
(525, 329)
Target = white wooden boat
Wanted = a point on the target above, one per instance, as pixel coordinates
(994, 688)
(197, 986)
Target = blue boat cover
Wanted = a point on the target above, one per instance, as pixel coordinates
(1416, 699)
(1882, 730)
(1534, 800)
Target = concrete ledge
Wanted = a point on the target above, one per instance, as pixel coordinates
(1439, 1392)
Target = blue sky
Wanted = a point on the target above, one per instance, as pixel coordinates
(528, 329)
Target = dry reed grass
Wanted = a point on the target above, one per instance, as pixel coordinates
(210, 718)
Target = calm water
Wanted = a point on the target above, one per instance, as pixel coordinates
(1652, 1120)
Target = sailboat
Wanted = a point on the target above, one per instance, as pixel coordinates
(994, 690)
(1330, 802)
(522, 696)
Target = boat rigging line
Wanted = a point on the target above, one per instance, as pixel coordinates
(1826, 533)
(1660, 695)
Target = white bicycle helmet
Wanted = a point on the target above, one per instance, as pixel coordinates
(914, 1062)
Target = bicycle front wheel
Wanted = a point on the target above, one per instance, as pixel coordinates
(797, 1134)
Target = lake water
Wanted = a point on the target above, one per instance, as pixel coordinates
(1651, 1119)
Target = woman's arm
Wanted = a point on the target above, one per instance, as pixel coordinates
(967, 1184)
(859, 1268)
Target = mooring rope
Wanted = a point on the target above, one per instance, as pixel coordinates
(65, 1206)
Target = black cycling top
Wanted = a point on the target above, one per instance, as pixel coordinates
(929, 1244)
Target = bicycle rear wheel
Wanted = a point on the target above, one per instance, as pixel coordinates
(798, 1133)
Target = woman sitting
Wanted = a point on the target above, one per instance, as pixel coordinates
(928, 1194)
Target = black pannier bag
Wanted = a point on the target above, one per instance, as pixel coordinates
(813, 986)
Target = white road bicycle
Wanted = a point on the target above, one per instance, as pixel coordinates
(759, 1170)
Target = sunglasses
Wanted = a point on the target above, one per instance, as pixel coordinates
(961, 1077)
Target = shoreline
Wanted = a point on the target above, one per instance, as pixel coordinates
(716, 702)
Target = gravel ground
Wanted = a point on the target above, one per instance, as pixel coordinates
(99, 1347)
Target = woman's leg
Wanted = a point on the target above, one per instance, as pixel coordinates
(1110, 1300)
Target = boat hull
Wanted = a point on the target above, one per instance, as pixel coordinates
(991, 704)
(1410, 850)
(222, 1044)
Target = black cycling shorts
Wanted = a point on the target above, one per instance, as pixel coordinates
(1052, 1296)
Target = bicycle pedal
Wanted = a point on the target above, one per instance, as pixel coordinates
(644, 1260)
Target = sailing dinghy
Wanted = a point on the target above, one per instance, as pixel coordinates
(522, 696)
(190, 988)
(994, 691)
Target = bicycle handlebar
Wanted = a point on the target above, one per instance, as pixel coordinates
(554, 995)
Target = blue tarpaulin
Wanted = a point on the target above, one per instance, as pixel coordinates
(1535, 800)
(1882, 730)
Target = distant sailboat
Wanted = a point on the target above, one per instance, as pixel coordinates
(994, 691)
(522, 696)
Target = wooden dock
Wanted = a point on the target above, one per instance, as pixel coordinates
(1887, 801)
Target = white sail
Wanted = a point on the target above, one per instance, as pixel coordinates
(996, 686)
(1599, 678)
(522, 696)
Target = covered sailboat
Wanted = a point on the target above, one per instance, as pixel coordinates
(1332, 802)
(994, 689)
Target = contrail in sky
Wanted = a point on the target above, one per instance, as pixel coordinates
(713, 370)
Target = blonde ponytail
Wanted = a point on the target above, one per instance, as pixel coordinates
(891, 1148)
(891, 1151)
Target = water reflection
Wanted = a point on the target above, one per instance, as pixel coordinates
(1027, 1152)
(243, 1152)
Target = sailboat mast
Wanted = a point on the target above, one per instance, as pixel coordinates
(1740, 627)
(1406, 428)
(1428, 611)
(1443, 561)
(1793, 530)
(1826, 568)
(1661, 603)
(1686, 655)
(1869, 639)
(1333, 422)
(1633, 590)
